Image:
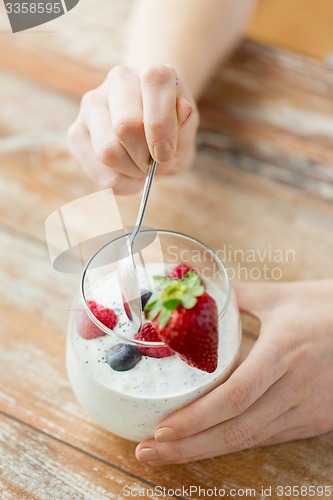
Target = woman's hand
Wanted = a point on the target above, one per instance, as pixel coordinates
(136, 113)
(281, 392)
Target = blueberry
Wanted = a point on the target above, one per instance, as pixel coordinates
(123, 357)
(145, 296)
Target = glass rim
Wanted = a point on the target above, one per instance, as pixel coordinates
(145, 343)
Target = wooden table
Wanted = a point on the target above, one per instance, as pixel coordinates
(263, 179)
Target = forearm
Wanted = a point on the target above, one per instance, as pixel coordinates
(194, 36)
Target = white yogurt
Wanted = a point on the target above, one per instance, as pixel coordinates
(131, 403)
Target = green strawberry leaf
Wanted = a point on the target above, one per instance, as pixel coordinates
(170, 293)
(172, 304)
(188, 301)
(160, 282)
(164, 317)
(153, 310)
(198, 291)
(152, 301)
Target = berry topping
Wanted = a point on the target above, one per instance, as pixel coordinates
(126, 307)
(180, 270)
(123, 357)
(149, 334)
(185, 318)
(145, 296)
(87, 328)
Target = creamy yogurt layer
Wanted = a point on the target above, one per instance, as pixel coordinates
(131, 403)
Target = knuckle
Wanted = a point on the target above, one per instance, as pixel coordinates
(236, 436)
(128, 128)
(87, 98)
(158, 74)
(238, 399)
(118, 71)
(93, 97)
(172, 454)
(106, 152)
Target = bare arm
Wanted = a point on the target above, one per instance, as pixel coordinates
(194, 36)
(139, 112)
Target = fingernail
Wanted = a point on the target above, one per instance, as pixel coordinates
(162, 151)
(147, 455)
(186, 119)
(165, 434)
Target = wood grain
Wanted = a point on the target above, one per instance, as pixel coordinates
(36, 393)
(45, 466)
(261, 186)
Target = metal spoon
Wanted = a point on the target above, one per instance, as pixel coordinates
(126, 269)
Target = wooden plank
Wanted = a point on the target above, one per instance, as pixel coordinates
(39, 393)
(43, 298)
(226, 217)
(19, 121)
(36, 466)
(35, 390)
(38, 176)
(70, 61)
(34, 185)
(237, 210)
(265, 113)
(261, 113)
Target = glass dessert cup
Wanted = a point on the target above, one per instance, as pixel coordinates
(132, 402)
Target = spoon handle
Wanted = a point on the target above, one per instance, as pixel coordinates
(144, 200)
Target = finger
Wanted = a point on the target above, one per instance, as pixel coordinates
(267, 416)
(247, 384)
(188, 122)
(108, 151)
(287, 435)
(81, 148)
(125, 106)
(217, 441)
(290, 426)
(159, 93)
(222, 439)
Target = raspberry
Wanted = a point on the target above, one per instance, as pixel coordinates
(87, 328)
(180, 270)
(149, 334)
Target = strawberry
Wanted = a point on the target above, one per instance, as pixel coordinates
(180, 270)
(185, 318)
(87, 328)
(126, 307)
(149, 334)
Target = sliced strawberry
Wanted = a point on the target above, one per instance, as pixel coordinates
(149, 334)
(87, 328)
(186, 319)
(180, 270)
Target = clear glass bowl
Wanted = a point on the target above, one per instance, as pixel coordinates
(131, 403)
